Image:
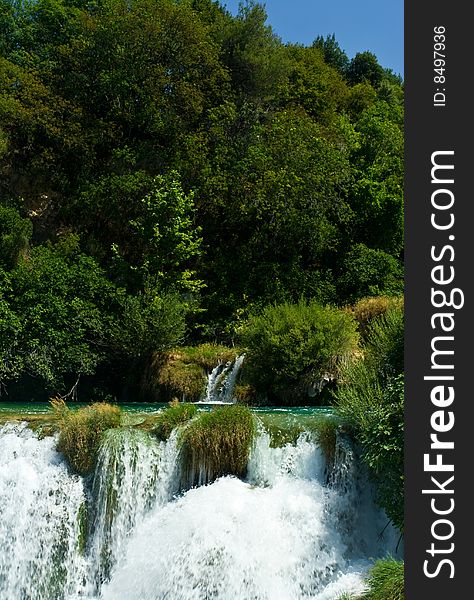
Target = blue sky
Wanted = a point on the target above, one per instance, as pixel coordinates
(359, 25)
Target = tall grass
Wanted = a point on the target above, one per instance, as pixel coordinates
(385, 581)
(217, 443)
(370, 398)
(176, 414)
(368, 309)
(80, 432)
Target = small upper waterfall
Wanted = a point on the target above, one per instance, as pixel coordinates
(221, 382)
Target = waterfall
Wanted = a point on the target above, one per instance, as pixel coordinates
(274, 536)
(221, 382)
(132, 474)
(288, 531)
(40, 525)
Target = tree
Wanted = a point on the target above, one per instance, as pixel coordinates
(333, 53)
(365, 67)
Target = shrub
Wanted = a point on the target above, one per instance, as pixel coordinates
(371, 401)
(80, 432)
(217, 443)
(177, 414)
(385, 581)
(293, 346)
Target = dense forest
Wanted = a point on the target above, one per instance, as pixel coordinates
(171, 174)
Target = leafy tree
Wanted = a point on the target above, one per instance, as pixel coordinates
(365, 67)
(333, 53)
(369, 272)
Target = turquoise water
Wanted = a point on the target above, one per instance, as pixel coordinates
(44, 407)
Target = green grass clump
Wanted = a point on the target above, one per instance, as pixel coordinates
(207, 356)
(286, 429)
(217, 443)
(371, 401)
(325, 434)
(385, 581)
(80, 432)
(177, 414)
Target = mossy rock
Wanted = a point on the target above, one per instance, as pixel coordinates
(182, 372)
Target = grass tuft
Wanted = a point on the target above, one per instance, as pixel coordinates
(217, 443)
(80, 432)
(385, 581)
(177, 414)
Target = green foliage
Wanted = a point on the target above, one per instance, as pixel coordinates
(365, 67)
(371, 400)
(369, 272)
(162, 238)
(385, 581)
(367, 309)
(57, 318)
(204, 168)
(293, 346)
(80, 432)
(333, 53)
(217, 443)
(15, 234)
(173, 416)
(63, 319)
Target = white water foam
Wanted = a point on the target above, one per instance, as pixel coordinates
(272, 537)
(39, 525)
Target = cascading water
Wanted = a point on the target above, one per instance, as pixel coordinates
(221, 382)
(289, 531)
(133, 474)
(40, 533)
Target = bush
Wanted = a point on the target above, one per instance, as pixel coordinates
(177, 414)
(217, 443)
(293, 346)
(80, 432)
(371, 400)
(385, 581)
